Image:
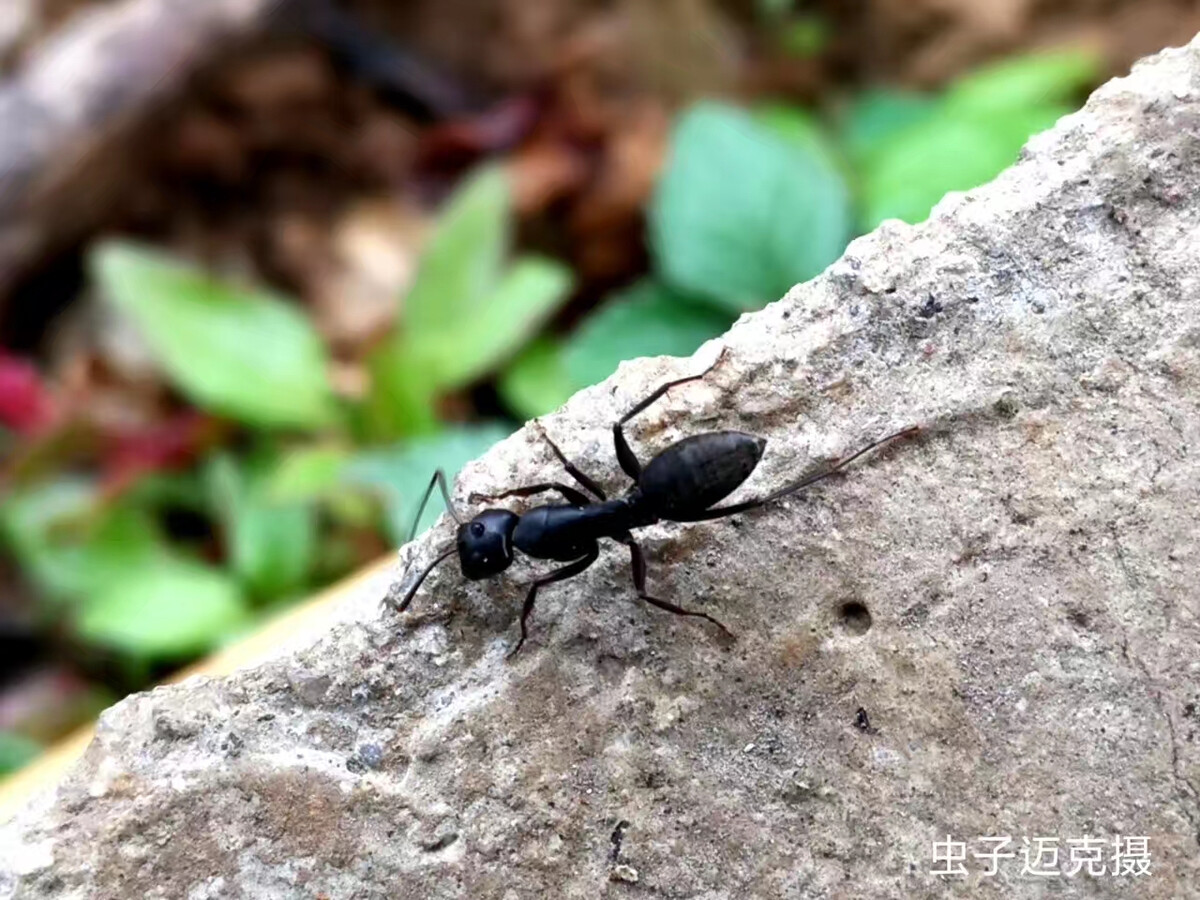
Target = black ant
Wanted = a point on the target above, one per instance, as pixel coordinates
(681, 484)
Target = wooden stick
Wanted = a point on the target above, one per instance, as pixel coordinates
(68, 114)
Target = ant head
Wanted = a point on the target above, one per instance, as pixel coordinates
(485, 543)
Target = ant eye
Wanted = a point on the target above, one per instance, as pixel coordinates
(477, 529)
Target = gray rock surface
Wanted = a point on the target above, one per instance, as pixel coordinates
(1012, 598)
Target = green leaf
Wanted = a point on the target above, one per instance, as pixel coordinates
(802, 131)
(462, 262)
(168, 490)
(16, 751)
(946, 153)
(875, 116)
(400, 474)
(805, 36)
(306, 473)
(271, 544)
(968, 137)
(646, 320)
(173, 608)
(496, 328)
(246, 354)
(28, 518)
(536, 382)
(112, 567)
(740, 214)
(64, 549)
(403, 398)
(465, 315)
(775, 9)
(1017, 85)
(314, 475)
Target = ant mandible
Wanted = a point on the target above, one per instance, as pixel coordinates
(681, 484)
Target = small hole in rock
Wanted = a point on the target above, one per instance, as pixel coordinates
(855, 616)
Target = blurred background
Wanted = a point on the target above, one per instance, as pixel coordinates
(260, 275)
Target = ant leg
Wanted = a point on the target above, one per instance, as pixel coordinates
(568, 571)
(573, 496)
(800, 485)
(584, 480)
(638, 563)
(625, 456)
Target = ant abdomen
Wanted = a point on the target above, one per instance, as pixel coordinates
(697, 472)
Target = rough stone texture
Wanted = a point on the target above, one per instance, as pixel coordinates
(1029, 568)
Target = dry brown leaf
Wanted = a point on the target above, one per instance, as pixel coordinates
(374, 250)
(544, 172)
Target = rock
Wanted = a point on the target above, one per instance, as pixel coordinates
(990, 630)
(623, 872)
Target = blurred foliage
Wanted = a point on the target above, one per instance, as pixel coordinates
(132, 613)
(235, 351)
(400, 473)
(909, 150)
(469, 310)
(742, 213)
(271, 542)
(537, 381)
(748, 203)
(649, 319)
(15, 751)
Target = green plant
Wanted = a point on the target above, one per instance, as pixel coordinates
(15, 751)
(270, 542)
(748, 205)
(312, 471)
(400, 473)
(238, 352)
(752, 202)
(742, 213)
(170, 607)
(911, 150)
(469, 310)
(112, 568)
(648, 319)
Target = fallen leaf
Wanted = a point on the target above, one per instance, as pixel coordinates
(26, 405)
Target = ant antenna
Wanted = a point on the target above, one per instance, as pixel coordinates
(412, 591)
(439, 478)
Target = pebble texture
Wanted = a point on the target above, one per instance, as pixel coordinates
(991, 629)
